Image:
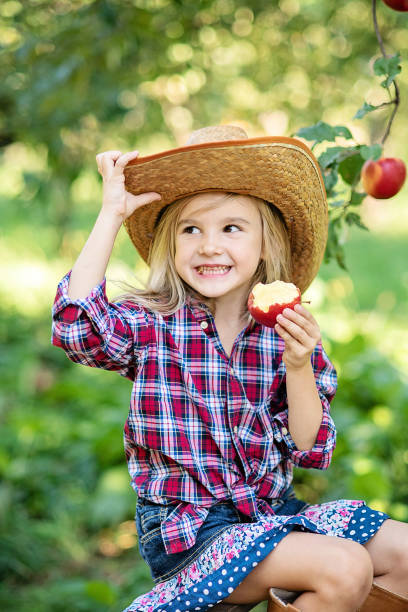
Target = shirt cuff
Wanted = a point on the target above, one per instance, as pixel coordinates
(67, 310)
(319, 456)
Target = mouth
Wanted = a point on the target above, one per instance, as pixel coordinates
(206, 271)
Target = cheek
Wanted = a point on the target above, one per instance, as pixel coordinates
(182, 254)
(254, 249)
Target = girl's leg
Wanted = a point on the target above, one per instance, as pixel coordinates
(333, 573)
(388, 550)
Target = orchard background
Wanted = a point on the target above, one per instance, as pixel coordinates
(80, 77)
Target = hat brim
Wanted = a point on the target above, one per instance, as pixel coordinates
(280, 170)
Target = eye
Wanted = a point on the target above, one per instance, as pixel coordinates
(189, 228)
(236, 226)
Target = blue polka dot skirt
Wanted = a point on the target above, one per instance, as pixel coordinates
(218, 564)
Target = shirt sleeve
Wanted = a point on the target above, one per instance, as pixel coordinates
(94, 332)
(320, 455)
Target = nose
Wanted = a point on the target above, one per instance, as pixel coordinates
(209, 246)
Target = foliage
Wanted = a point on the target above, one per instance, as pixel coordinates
(346, 162)
(78, 77)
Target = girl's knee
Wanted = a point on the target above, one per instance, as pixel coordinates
(349, 576)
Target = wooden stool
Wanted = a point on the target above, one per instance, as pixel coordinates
(279, 599)
(382, 600)
(379, 600)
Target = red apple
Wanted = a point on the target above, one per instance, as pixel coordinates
(265, 302)
(383, 178)
(397, 5)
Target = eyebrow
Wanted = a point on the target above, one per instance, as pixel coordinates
(225, 220)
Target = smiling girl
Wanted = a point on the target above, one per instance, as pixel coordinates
(223, 408)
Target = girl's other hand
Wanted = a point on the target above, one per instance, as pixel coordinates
(116, 200)
(301, 334)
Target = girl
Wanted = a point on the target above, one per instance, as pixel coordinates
(222, 407)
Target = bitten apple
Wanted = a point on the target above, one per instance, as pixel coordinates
(383, 178)
(397, 5)
(265, 302)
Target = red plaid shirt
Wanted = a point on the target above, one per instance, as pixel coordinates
(202, 426)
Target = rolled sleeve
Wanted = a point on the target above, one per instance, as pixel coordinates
(94, 332)
(320, 455)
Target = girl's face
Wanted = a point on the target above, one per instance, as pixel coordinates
(219, 244)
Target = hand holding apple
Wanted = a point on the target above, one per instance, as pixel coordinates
(265, 302)
(383, 178)
(301, 334)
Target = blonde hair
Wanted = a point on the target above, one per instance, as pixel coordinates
(166, 292)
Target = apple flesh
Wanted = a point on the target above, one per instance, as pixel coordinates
(265, 302)
(397, 5)
(383, 178)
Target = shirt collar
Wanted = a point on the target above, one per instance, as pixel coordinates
(199, 309)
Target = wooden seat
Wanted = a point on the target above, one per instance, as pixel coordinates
(378, 600)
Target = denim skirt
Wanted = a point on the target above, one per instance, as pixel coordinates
(149, 517)
(230, 544)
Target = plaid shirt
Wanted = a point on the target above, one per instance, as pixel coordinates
(202, 426)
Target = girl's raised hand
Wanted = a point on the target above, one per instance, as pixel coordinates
(116, 200)
(301, 334)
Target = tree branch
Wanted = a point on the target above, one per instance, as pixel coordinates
(395, 100)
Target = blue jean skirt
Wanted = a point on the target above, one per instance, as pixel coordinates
(230, 544)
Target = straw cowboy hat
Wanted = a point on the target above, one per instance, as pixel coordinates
(280, 170)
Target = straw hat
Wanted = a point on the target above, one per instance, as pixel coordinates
(280, 170)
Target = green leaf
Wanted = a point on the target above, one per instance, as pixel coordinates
(389, 67)
(371, 152)
(341, 258)
(356, 198)
(350, 168)
(355, 219)
(371, 485)
(330, 178)
(100, 592)
(322, 131)
(366, 108)
(333, 246)
(331, 155)
(336, 154)
(337, 203)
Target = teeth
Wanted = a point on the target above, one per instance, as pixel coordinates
(213, 269)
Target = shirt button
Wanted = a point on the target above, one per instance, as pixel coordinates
(284, 431)
(204, 324)
(232, 372)
(235, 429)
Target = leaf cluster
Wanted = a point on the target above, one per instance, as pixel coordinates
(341, 168)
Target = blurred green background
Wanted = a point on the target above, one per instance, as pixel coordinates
(77, 78)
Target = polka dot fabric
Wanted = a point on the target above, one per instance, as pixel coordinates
(223, 565)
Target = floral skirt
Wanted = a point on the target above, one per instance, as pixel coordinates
(229, 545)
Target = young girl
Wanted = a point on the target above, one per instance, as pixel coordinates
(222, 407)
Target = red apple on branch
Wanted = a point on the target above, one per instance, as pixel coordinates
(383, 178)
(397, 5)
(265, 302)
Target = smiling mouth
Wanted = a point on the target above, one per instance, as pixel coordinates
(213, 270)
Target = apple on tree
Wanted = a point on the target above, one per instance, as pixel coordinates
(397, 5)
(265, 302)
(383, 178)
